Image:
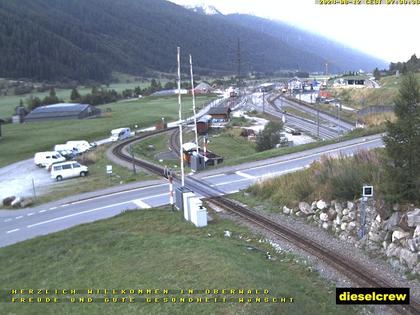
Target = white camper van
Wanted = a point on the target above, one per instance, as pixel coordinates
(66, 147)
(46, 159)
(68, 169)
(120, 134)
(80, 145)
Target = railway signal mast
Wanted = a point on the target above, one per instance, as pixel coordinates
(181, 153)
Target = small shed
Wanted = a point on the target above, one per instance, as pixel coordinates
(203, 124)
(220, 114)
(62, 111)
(203, 88)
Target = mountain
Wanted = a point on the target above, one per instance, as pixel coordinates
(204, 9)
(87, 40)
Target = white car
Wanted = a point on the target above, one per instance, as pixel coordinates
(46, 159)
(68, 169)
(80, 145)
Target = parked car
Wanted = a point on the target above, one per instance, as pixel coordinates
(120, 134)
(66, 147)
(80, 145)
(68, 154)
(46, 159)
(68, 169)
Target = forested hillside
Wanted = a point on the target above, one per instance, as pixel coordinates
(81, 40)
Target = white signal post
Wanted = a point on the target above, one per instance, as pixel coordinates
(181, 151)
(171, 191)
(193, 101)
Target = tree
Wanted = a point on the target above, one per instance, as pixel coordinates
(269, 136)
(402, 144)
(75, 95)
(377, 74)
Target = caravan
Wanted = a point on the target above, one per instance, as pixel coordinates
(81, 145)
(120, 134)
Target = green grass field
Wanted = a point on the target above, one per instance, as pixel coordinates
(22, 141)
(157, 249)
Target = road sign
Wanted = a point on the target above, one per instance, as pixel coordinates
(109, 169)
(367, 191)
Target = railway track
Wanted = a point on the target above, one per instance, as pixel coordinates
(351, 269)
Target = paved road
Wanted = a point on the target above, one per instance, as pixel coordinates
(19, 225)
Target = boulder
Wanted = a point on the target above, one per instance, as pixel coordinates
(350, 205)
(313, 205)
(321, 204)
(16, 202)
(338, 207)
(8, 201)
(305, 208)
(325, 225)
(414, 244)
(393, 250)
(417, 231)
(398, 235)
(375, 237)
(337, 221)
(331, 214)
(352, 215)
(345, 218)
(378, 219)
(413, 218)
(343, 226)
(351, 226)
(286, 210)
(26, 202)
(392, 222)
(408, 257)
(345, 212)
(228, 233)
(323, 217)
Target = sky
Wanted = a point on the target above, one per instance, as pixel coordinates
(388, 32)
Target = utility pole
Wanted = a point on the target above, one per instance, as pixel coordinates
(181, 151)
(132, 159)
(193, 101)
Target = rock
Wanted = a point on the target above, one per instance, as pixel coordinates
(228, 233)
(343, 226)
(392, 222)
(26, 202)
(384, 244)
(338, 208)
(299, 213)
(413, 218)
(345, 218)
(351, 226)
(313, 205)
(398, 235)
(8, 201)
(417, 231)
(352, 215)
(350, 205)
(408, 257)
(396, 207)
(321, 204)
(331, 214)
(417, 269)
(305, 208)
(375, 237)
(337, 221)
(16, 202)
(325, 225)
(323, 217)
(414, 244)
(393, 250)
(286, 210)
(345, 212)
(378, 219)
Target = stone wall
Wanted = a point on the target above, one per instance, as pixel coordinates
(396, 237)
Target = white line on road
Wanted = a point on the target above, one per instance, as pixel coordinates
(52, 208)
(231, 182)
(141, 204)
(76, 214)
(160, 195)
(245, 175)
(19, 217)
(29, 214)
(41, 211)
(11, 231)
(7, 220)
(212, 176)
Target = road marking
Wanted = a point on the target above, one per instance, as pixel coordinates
(154, 196)
(231, 182)
(245, 175)
(11, 231)
(141, 204)
(67, 204)
(76, 214)
(212, 176)
(7, 220)
(282, 172)
(232, 192)
(114, 194)
(41, 211)
(29, 214)
(52, 208)
(19, 217)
